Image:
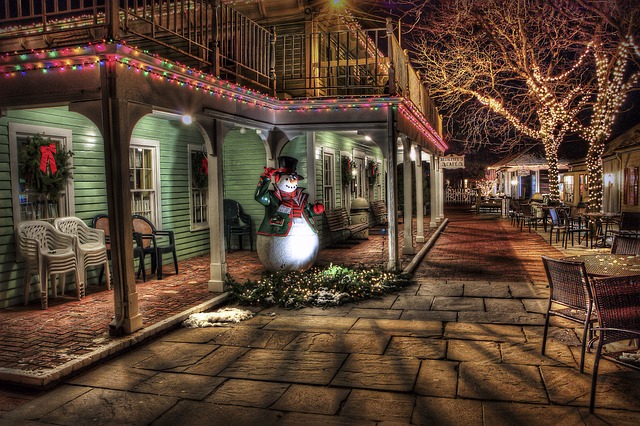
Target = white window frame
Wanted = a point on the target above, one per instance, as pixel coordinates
(203, 224)
(17, 130)
(156, 202)
(361, 184)
(329, 202)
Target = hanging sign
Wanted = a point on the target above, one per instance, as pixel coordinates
(452, 162)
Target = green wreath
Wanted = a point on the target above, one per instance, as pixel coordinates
(45, 166)
(373, 171)
(199, 170)
(347, 166)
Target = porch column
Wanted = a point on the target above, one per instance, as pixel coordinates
(440, 190)
(419, 196)
(392, 193)
(407, 240)
(433, 193)
(217, 263)
(311, 165)
(118, 119)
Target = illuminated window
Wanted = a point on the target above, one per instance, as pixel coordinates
(568, 188)
(631, 186)
(328, 178)
(143, 178)
(29, 203)
(199, 186)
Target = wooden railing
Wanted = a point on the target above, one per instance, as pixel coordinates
(204, 34)
(350, 62)
(209, 35)
(244, 50)
(328, 64)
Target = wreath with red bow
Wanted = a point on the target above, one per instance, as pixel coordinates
(199, 170)
(45, 166)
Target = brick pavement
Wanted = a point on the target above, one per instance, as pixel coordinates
(460, 346)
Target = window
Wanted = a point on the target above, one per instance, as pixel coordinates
(198, 186)
(143, 178)
(584, 188)
(631, 186)
(568, 189)
(328, 178)
(360, 183)
(29, 203)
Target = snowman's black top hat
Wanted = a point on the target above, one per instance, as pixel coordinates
(287, 166)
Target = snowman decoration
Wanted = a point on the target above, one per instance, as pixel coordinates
(287, 238)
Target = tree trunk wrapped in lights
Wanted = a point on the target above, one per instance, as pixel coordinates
(540, 67)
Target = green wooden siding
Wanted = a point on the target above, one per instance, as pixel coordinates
(90, 184)
(243, 161)
(175, 138)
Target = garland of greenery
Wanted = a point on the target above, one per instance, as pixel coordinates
(332, 286)
(347, 165)
(199, 170)
(53, 180)
(373, 171)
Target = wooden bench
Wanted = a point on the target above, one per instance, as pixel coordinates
(338, 221)
(379, 210)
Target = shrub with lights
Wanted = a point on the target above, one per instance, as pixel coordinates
(331, 286)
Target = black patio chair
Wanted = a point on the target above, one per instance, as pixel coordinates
(236, 222)
(617, 301)
(101, 221)
(155, 242)
(569, 292)
(573, 225)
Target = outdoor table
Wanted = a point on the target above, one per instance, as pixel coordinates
(608, 265)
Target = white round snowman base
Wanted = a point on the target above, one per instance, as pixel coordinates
(295, 252)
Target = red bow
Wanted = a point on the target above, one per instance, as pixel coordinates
(204, 166)
(48, 158)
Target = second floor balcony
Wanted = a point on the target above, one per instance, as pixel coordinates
(289, 61)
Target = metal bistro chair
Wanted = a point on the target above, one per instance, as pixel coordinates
(155, 242)
(46, 252)
(617, 301)
(625, 245)
(569, 289)
(91, 249)
(572, 226)
(101, 221)
(236, 222)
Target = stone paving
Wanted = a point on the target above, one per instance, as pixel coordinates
(460, 346)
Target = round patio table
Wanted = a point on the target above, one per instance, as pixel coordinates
(608, 265)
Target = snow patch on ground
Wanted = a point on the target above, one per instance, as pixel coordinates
(216, 319)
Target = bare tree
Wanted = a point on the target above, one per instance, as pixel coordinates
(543, 68)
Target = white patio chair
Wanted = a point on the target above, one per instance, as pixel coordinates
(91, 249)
(46, 252)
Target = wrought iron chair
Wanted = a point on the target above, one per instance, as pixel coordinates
(569, 291)
(623, 244)
(46, 252)
(572, 226)
(156, 243)
(617, 301)
(236, 222)
(555, 225)
(101, 221)
(90, 246)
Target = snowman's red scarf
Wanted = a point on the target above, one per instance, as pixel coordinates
(295, 201)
